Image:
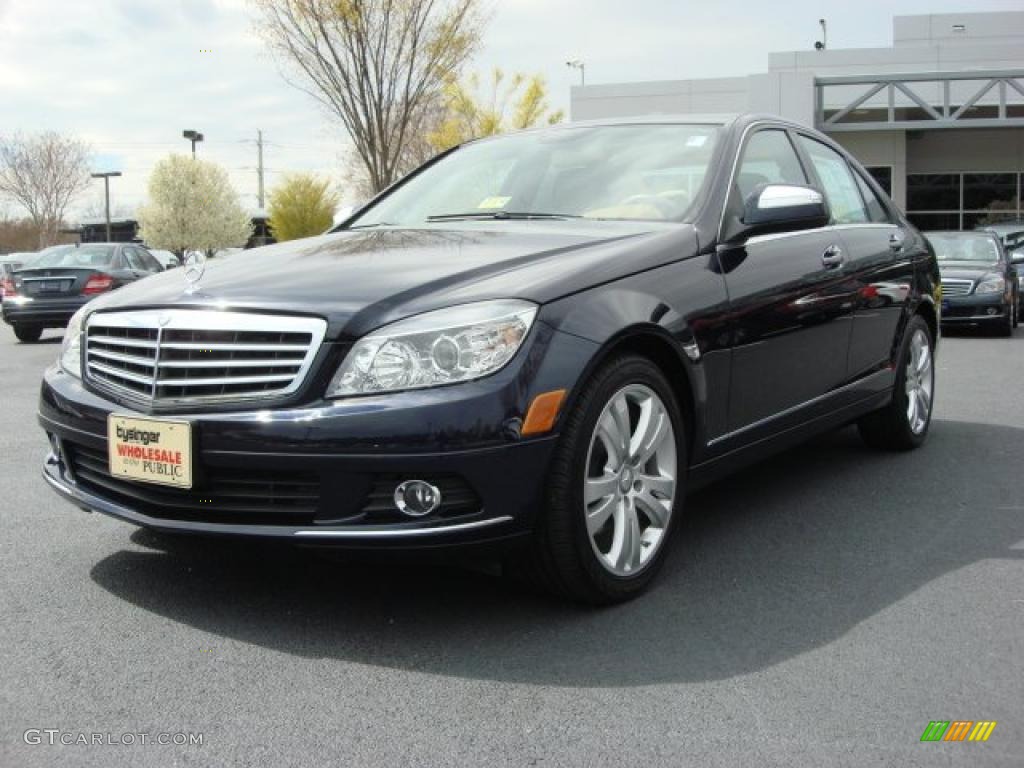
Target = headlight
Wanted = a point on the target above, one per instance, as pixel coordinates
(991, 285)
(442, 347)
(71, 348)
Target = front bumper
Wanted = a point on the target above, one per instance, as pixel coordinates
(324, 472)
(975, 309)
(49, 313)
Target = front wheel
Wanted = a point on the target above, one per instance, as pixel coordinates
(28, 333)
(903, 423)
(614, 488)
(1007, 323)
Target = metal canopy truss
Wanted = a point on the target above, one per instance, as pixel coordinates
(967, 99)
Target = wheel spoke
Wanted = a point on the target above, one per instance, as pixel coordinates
(650, 432)
(924, 359)
(620, 413)
(656, 509)
(912, 408)
(597, 516)
(628, 555)
(663, 485)
(614, 442)
(924, 399)
(599, 487)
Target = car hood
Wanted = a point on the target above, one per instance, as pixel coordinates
(359, 280)
(967, 270)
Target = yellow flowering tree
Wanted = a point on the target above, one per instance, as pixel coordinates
(302, 205)
(507, 103)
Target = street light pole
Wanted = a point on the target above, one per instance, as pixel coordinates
(106, 193)
(581, 66)
(194, 137)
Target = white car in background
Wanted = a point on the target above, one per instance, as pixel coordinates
(167, 259)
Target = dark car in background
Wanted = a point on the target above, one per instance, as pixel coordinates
(980, 285)
(541, 341)
(1011, 233)
(62, 278)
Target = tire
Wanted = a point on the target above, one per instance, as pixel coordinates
(891, 427)
(1015, 310)
(564, 557)
(28, 333)
(1006, 324)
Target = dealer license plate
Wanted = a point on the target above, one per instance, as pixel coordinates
(150, 450)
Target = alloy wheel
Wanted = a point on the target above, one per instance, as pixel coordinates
(630, 480)
(920, 382)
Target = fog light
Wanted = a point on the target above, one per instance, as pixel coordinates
(993, 311)
(417, 498)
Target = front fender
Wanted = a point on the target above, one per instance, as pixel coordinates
(684, 308)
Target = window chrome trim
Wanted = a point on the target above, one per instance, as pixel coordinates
(203, 320)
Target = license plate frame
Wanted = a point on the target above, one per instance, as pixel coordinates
(146, 450)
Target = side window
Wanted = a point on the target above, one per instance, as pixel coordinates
(135, 260)
(839, 184)
(876, 211)
(768, 158)
(152, 265)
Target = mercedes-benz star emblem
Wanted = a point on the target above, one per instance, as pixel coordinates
(195, 266)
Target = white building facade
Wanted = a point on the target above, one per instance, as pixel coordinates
(938, 118)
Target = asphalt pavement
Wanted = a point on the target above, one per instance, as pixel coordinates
(819, 609)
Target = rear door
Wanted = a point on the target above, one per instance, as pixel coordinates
(877, 260)
(791, 301)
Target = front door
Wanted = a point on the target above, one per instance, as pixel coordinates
(791, 300)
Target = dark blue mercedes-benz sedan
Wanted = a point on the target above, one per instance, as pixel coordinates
(543, 340)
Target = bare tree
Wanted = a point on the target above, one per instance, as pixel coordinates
(43, 174)
(374, 64)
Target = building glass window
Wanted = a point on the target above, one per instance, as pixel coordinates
(934, 221)
(963, 200)
(933, 192)
(990, 192)
(882, 174)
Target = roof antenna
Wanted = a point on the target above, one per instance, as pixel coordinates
(822, 44)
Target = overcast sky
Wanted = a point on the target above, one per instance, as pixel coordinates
(129, 75)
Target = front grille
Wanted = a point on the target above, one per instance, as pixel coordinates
(954, 288)
(168, 357)
(261, 497)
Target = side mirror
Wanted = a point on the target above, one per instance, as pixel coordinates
(1017, 257)
(780, 208)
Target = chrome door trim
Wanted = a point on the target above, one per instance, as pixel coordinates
(793, 409)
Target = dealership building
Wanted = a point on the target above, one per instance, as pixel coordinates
(938, 118)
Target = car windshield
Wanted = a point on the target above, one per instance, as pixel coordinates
(83, 256)
(979, 248)
(638, 172)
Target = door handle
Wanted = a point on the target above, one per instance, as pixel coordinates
(832, 257)
(896, 240)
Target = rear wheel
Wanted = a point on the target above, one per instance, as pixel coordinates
(28, 333)
(903, 423)
(614, 488)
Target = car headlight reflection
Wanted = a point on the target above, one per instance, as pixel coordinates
(71, 347)
(446, 346)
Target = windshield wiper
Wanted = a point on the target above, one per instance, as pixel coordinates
(370, 226)
(503, 216)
